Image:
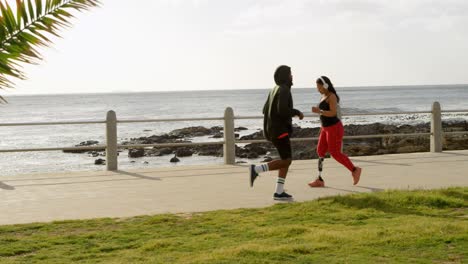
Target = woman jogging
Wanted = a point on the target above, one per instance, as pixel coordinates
(331, 132)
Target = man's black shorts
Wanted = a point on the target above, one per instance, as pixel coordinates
(283, 146)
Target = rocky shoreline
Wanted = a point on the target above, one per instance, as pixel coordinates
(301, 150)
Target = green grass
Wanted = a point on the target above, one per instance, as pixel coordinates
(385, 227)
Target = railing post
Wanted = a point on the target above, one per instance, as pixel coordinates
(436, 128)
(111, 141)
(229, 137)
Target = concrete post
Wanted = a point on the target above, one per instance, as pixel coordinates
(111, 141)
(229, 137)
(436, 128)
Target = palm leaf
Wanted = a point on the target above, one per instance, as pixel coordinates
(27, 28)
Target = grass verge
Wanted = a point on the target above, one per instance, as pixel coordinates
(386, 227)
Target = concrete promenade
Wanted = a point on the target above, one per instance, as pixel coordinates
(182, 189)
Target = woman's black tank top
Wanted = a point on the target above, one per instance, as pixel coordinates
(325, 120)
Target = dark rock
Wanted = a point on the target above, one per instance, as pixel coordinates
(241, 152)
(256, 148)
(87, 143)
(455, 142)
(191, 132)
(95, 154)
(210, 150)
(174, 159)
(184, 152)
(166, 151)
(136, 153)
(268, 159)
(237, 129)
(305, 153)
(218, 135)
(241, 162)
(306, 150)
(305, 132)
(254, 136)
(217, 129)
(252, 155)
(83, 144)
(100, 162)
(154, 139)
(198, 134)
(158, 152)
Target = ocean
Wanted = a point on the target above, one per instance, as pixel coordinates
(188, 104)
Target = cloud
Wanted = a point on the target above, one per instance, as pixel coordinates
(312, 15)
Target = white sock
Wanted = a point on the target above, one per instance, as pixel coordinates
(280, 185)
(261, 168)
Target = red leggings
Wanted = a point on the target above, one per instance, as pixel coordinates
(331, 139)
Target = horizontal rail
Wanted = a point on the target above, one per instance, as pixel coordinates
(388, 135)
(454, 111)
(387, 113)
(100, 147)
(52, 123)
(354, 114)
(251, 141)
(103, 122)
(456, 133)
(123, 121)
(170, 120)
(247, 117)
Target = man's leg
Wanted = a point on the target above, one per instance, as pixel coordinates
(278, 165)
(283, 147)
(282, 174)
(255, 170)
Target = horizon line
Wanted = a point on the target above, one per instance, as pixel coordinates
(205, 90)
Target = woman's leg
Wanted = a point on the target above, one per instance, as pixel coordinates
(335, 140)
(322, 148)
(322, 145)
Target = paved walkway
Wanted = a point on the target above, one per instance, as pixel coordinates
(81, 195)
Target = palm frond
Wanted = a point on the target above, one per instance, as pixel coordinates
(21, 32)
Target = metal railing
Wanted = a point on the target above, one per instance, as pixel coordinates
(229, 142)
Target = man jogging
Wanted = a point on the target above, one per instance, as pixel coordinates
(277, 128)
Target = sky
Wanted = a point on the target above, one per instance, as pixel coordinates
(171, 45)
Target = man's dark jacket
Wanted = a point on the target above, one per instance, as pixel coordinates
(278, 110)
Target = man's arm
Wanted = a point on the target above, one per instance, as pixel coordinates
(298, 114)
(267, 104)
